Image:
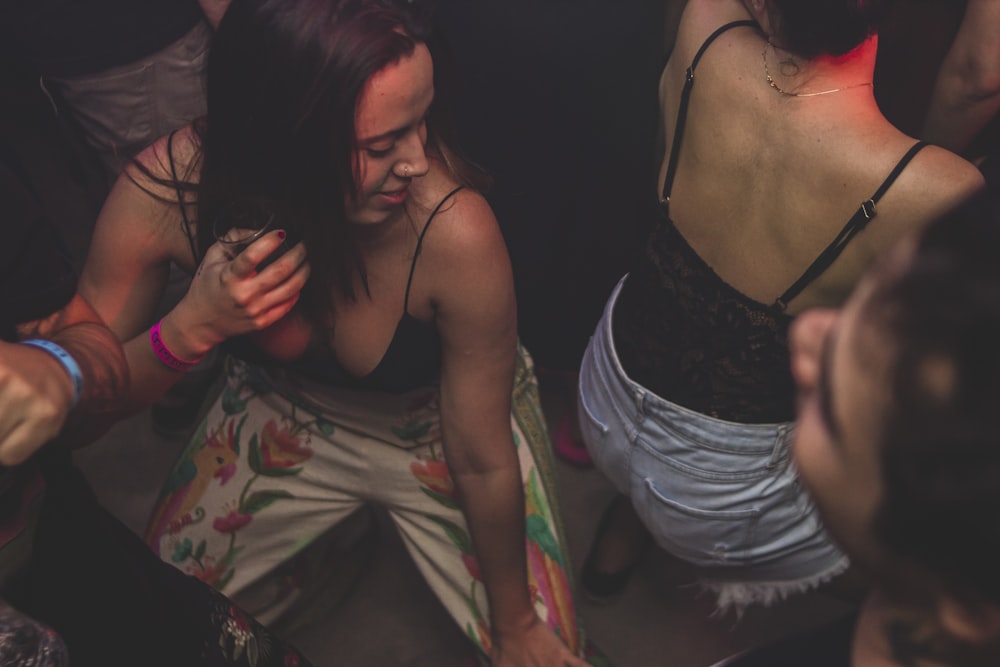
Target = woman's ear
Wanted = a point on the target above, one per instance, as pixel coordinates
(755, 7)
(760, 10)
(972, 622)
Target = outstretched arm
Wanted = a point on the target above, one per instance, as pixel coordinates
(967, 90)
(37, 391)
(478, 324)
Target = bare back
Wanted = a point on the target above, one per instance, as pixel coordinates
(764, 181)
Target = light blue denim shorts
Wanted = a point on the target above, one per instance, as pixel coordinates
(721, 495)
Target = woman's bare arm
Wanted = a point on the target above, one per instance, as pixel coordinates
(967, 89)
(478, 324)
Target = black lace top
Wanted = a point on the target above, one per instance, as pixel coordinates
(693, 339)
(685, 334)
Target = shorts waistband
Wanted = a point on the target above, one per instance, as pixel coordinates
(735, 437)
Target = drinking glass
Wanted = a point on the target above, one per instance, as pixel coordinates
(241, 225)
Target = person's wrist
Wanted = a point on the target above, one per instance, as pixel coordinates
(66, 360)
(514, 624)
(178, 345)
(193, 331)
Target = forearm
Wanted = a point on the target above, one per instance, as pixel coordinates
(106, 381)
(102, 363)
(958, 113)
(151, 377)
(967, 89)
(493, 503)
(73, 392)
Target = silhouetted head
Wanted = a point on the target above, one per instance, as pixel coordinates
(897, 434)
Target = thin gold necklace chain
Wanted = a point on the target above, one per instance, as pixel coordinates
(771, 82)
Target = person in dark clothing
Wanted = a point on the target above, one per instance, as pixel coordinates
(76, 584)
(128, 72)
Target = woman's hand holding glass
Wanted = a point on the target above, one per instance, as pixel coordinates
(230, 296)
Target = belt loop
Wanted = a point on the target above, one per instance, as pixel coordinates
(634, 424)
(780, 449)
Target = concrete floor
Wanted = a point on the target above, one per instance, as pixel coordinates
(377, 611)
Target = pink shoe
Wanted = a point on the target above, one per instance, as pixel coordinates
(569, 450)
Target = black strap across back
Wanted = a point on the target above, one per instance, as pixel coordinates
(675, 150)
(865, 213)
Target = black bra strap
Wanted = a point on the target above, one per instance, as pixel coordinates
(668, 182)
(180, 197)
(420, 242)
(858, 222)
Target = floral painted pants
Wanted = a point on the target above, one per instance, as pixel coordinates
(279, 460)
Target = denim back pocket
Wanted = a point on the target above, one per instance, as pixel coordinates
(703, 537)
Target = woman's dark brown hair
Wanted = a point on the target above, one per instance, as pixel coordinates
(940, 443)
(284, 79)
(812, 28)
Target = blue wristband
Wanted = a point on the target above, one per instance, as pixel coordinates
(64, 358)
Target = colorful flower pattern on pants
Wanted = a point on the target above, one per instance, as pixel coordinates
(277, 451)
(277, 465)
(547, 568)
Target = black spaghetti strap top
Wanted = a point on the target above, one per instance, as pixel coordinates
(690, 337)
(412, 360)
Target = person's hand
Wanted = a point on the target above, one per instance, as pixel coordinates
(229, 297)
(533, 646)
(36, 395)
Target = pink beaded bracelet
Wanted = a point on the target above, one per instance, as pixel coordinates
(165, 355)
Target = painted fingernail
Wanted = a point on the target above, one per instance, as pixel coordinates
(281, 235)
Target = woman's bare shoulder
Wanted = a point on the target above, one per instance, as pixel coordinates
(941, 180)
(174, 157)
(455, 203)
(701, 18)
(470, 273)
(143, 208)
(464, 231)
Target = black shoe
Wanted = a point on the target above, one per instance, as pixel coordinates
(602, 587)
